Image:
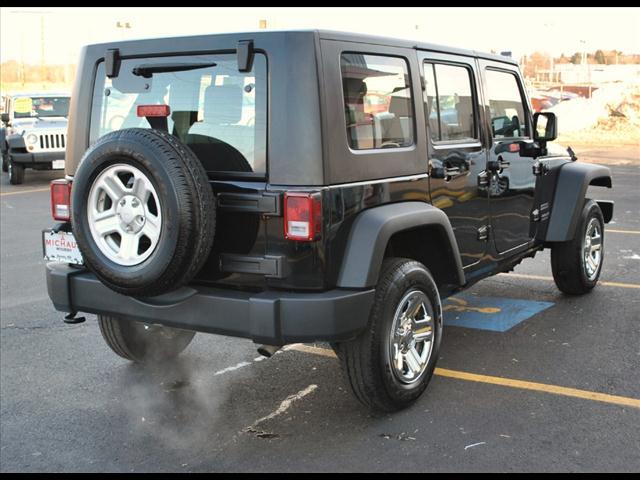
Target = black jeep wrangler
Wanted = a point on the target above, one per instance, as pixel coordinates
(307, 186)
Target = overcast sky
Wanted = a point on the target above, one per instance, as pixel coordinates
(521, 30)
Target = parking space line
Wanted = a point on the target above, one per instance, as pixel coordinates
(539, 387)
(632, 232)
(540, 277)
(323, 352)
(505, 382)
(31, 190)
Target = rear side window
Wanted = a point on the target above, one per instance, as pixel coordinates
(449, 103)
(508, 114)
(219, 112)
(377, 101)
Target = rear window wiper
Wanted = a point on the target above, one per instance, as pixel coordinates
(148, 70)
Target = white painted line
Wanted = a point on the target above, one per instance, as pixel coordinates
(475, 445)
(240, 365)
(284, 406)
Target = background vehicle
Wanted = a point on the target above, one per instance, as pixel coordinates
(334, 223)
(33, 133)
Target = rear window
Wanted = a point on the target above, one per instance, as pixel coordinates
(377, 101)
(219, 112)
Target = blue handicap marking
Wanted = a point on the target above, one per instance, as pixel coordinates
(489, 313)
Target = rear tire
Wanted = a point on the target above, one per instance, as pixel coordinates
(575, 270)
(142, 343)
(16, 172)
(374, 362)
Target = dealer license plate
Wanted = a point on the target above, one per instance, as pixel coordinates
(61, 247)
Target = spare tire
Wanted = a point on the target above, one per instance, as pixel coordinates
(143, 212)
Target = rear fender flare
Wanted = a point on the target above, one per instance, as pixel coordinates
(372, 230)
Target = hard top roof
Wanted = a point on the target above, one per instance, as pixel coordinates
(335, 35)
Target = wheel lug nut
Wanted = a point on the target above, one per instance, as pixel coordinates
(123, 202)
(134, 203)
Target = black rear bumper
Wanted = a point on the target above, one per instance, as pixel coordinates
(271, 317)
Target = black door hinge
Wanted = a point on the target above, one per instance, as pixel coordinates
(483, 232)
(535, 215)
(539, 168)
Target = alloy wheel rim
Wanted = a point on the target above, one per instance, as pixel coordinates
(125, 215)
(592, 249)
(411, 337)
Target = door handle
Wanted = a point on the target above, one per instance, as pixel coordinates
(451, 172)
(497, 165)
(438, 170)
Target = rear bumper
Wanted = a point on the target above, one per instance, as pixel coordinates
(38, 157)
(271, 317)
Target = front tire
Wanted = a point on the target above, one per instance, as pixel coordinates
(16, 172)
(576, 264)
(391, 363)
(143, 343)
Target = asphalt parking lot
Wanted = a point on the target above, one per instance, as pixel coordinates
(558, 391)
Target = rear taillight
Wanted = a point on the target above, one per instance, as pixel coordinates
(61, 200)
(302, 216)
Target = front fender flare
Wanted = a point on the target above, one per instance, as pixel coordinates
(16, 142)
(571, 188)
(370, 234)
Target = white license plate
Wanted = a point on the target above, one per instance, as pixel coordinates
(57, 164)
(61, 247)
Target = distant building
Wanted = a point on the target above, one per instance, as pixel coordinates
(568, 73)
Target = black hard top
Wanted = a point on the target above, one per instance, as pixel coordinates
(335, 35)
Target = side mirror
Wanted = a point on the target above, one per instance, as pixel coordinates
(5, 118)
(545, 127)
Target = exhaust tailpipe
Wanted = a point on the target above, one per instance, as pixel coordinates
(268, 350)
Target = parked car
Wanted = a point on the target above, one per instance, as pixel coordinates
(33, 133)
(317, 220)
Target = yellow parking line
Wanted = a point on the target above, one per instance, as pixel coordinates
(31, 190)
(540, 387)
(540, 277)
(505, 382)
(299, 347)
(632, 232)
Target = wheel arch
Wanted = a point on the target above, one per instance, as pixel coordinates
(409, 229)
(573, 180)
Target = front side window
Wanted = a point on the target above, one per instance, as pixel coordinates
(508, 114)
(449, 103)
(218, 111)
(377, 101)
